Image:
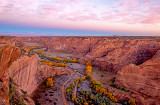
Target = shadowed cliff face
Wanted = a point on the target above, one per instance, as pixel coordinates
(107, 53)
(143, 55)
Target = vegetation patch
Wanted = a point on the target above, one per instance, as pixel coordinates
(88, 71)
(14, 99)
(49, 82)
(118, 87)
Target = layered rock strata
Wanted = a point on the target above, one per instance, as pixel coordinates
(143, 79)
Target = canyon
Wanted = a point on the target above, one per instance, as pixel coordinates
(135, 63)
(110, 53)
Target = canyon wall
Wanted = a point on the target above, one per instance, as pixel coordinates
(144, 79)
(109, 53)
(23, 71)
(8, 54)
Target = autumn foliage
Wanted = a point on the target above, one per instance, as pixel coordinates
(40, 52)
(53, 64)
(88, 70)
(32, 48)
(132, 102)
(98, 87)
(49, 82)
(70, 61)
(55, 58)
(85, 103)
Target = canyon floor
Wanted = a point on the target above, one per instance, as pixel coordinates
(54, 95)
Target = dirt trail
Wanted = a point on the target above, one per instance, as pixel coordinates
(75, 89)
(63, 89)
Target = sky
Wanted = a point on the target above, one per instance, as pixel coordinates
(80, 17)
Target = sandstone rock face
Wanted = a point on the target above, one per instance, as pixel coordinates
(28, 74)
(23, 71)
(26, 99)
(144, 79)
(110, 53)
(8, 54)
(4, 90)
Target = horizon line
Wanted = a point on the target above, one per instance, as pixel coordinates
(23, 34)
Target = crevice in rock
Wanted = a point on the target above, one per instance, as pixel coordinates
(108, 51)
(104, 55)
(144, 55)
(91, 46)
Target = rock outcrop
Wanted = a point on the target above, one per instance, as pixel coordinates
(4, 89)
(23, 71)
(8, 54)
(143, 79)
(27, 73)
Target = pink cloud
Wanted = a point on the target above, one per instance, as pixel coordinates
(133, 12)
(76, 13)
(83, 15)
(130, 3)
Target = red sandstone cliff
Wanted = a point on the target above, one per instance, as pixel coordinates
(23, 71)
(8, 54)
(144, 79)
(106, 52)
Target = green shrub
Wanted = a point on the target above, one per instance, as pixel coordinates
(89, 76)
(112, 84)
(113, 80)
(78, 85)
(10, 80)
(73, 68)
(99, 99)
